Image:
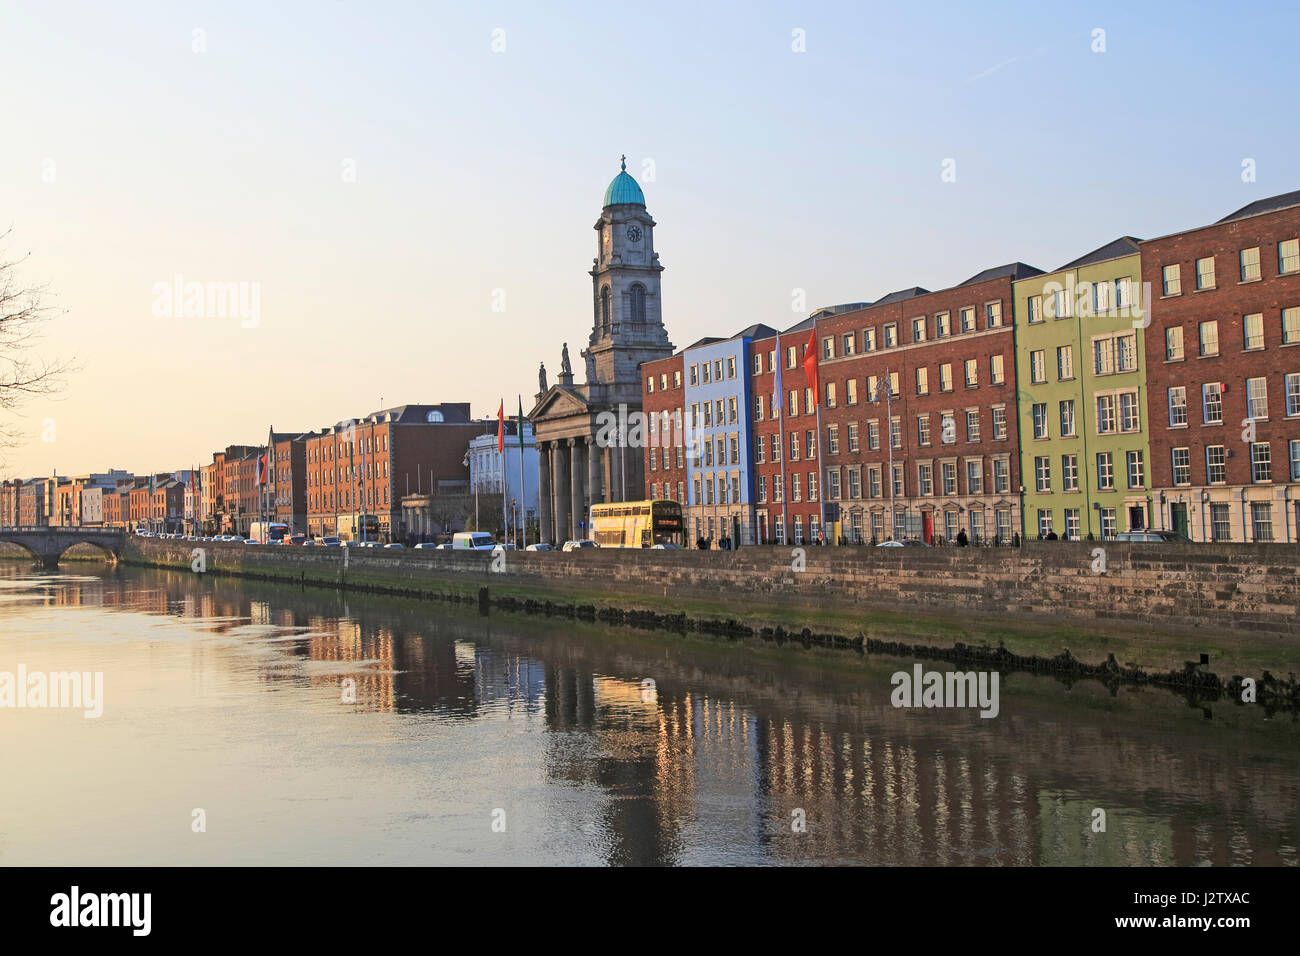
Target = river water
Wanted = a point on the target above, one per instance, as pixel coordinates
(252, 723)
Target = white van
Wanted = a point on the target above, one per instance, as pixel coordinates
(472, 541)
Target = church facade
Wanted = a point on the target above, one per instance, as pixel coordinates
(581, 460)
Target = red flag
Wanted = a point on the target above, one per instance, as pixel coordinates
(261, 470)
(810, 364)
(501, 428)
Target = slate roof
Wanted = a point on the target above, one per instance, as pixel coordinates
(1123, 246)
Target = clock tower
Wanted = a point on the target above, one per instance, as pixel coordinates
(627, 315)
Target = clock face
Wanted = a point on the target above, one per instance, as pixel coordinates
(634, 233)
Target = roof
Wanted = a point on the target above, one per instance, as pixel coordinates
(1123, 246)
(623, 190)
(452, 412)
(756, 331)
(902, 294)
(707, 340)
(1272, 204)
(1013, 270)
(829, 310)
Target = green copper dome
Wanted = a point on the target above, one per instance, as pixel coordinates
(623, 189)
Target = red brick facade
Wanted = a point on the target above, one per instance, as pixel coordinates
(662, 398)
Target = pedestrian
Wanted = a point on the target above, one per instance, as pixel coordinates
(962, 540)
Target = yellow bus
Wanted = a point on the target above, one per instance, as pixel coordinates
(637, 524)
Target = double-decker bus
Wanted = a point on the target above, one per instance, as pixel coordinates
(637, 524)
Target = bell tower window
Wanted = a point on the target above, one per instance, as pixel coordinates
(637, 303)
(604, 308)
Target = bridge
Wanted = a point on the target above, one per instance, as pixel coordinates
(47, 545)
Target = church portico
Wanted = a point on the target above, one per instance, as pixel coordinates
(581, 462)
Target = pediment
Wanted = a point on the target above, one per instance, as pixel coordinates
(560, 401)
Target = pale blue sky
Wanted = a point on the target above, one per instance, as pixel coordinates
(475, 171)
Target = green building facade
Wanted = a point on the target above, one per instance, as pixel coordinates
(1081, 397)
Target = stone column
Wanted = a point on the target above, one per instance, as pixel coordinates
(560, 481)
(544, 492)
(615, 455)
(593, 471)
(577, 472)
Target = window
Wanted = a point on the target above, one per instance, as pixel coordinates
(1210, 337)
(1174, 344)
(734, 442)
(1040, 420)
(1064, 362)
(704, 372)
(1124, 292)
(791, 356)
(851, 391)
(1042, 473)
(811, 446)
(794, 446)
(855, 483)
(1062, 306)
(968, 320)
(1072, 524)
(896, 433)
(1044, 522)
(762, 487)
(1250, 264)
(677, 378)
(1136, 468)
(650, 384)
(972, 373)
(778, 491)
(918, 329)
(893, 385)
(1212, 403)
(993, 315)
(1105, 471)
(771, 360)
(833, 483)
(1069, 472)
(1252, 327)
(868, 340)
(898, 481)
(1177, 406)
(949, 477)
(731, 366)
(732, 411)
(1100, 297)
(1293, 394)
(793, 397)
(760, 451)
(975, 477)
(833, 439)
(830, 394)
(717, 370)
(758, 363)
(1107, 522)
(873, 482)
(1261, 462)
(942, 325)
(1173, 283)
(891, 335)
(847, 343)
(808, 403)
(853, 438)
(828, 347)
(758, 407)
(694, 375)
(1106, 406)
(1295, 459)
(923, 381)
(873, 436)
(708, 414)
(925, 479)
(1216, 468)
(1035, 308)
(999, 422)
(873, 388)
(1182, 466)
(972, 425)
(1220, 523)
(1288, 256)
(1256, 398)
(948, 429)
(1036, 373)
(1001, 476)
(776, 448)
(945, 377)
(1205, 273)
(923, 429)
(996, 373)
(796, 494)
(1067, 418)
(1130, 414)
(1261, 520)
(1290, 326)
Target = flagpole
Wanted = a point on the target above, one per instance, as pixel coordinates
(889, 430)
(821, 471)
(780, 433)
(523, 497)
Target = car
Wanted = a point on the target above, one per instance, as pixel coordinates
(309, 544)
(446, 547)
(890, 544)
(329, 541)
(542, 546)
(295, 539)
(580, 544)
(394, 544)
(1150, 535)
(666, 546)
(253, 541)
(427, 546)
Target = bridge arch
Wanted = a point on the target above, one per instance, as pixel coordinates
(47, 545)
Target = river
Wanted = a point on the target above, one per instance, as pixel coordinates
(247, 723)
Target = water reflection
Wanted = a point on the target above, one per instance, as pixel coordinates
(606, 747)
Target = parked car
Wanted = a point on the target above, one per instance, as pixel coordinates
(1167, 537)
(427, 546)
(394, 544)
(580, 544)
(543, 546)
(666, 546)
(329, 541)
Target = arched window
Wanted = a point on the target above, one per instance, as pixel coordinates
(604, 308)
(638, 302)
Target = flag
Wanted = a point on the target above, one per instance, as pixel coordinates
(501, 428)
(521, 428)
(259, 477)
(810, 363)
(777, 401)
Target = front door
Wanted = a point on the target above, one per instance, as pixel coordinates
(1136, 518)
(1178, 516)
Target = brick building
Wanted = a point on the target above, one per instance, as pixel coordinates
(1224, 377)
(365, 467)
(287, 483)
(665, 465)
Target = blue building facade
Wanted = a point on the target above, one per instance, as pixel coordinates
(720, 476)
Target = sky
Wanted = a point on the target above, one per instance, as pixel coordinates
(406, 191)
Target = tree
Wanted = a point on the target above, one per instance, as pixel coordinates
(23, 374)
